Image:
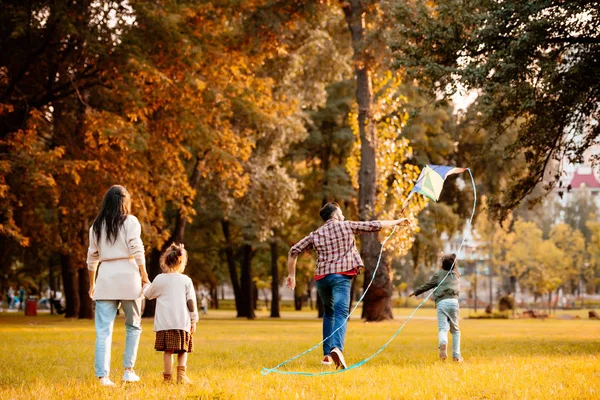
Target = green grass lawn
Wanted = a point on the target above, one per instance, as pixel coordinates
(48, 357)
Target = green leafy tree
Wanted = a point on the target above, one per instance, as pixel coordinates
(534, 65)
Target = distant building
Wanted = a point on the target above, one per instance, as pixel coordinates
(578, 177)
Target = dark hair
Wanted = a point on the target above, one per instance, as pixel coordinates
(448, 262)
(116, 206)
(174, 258)
(328, 210)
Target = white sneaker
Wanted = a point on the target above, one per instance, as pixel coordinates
(105, 381)
(338, 358)
(130, 376)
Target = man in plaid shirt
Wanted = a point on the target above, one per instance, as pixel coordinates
(338, 260)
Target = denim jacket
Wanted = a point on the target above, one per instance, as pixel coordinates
(449, 289)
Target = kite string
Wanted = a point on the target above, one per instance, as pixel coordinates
(266, 371)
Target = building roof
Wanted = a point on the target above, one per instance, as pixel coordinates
(584, 176)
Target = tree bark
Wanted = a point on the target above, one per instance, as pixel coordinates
(177, 236)
(255, 295)
(274, 281)
(85, 302)
(246, 285)
(491, 284)
(214, 294)
(377, 302)
(71, 287)
(297, 299)
(475, 290)
(233, 275)
(309, 283)
(513, 284)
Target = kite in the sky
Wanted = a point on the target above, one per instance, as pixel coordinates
(431, 180)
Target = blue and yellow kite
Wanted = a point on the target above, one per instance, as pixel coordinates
(431, 180)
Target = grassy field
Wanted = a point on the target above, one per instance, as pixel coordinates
(48, 357)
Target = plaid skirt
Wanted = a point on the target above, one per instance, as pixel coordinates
(177, 341)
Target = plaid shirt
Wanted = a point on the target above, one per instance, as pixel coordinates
(335, 245)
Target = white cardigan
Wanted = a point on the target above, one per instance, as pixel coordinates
(172, 291)
(119, 275)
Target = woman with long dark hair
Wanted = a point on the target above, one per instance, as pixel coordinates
(116, 245)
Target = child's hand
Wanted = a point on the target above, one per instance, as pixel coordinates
(193, 328)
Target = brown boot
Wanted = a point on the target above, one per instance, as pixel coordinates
(181, 376)
(167, 378)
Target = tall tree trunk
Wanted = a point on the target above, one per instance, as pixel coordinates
(214, 294)
(475, 290)
(491, 284)
(378, 300)
(85, 302)
(247, 293)
(513, 286)
(177, 236)
(52, 287)
(255, 295)
(70, 285)
(233, 275)
(309, 282)
(274, 280)
(297, 299)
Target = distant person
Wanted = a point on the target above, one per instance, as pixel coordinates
(446, 300)
(116, 245)
(176, 311)
(21, 297)
(10, 297)
(204, 299)
(338, 260)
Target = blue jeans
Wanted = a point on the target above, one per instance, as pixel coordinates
(106, 311)
(334, 290)
(447, 313)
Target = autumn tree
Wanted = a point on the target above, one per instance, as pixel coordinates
(572, 243)
(496, 241)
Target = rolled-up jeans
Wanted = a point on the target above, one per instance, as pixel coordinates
(334, 290)
(106, 311)
(447, 313)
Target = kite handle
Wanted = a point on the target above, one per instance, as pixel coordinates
(406, 202)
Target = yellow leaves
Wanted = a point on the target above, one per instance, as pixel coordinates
(6, 108)
(200, 84)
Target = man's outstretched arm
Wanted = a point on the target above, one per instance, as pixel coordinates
(291, 264)
(374, 226)
(295, 251)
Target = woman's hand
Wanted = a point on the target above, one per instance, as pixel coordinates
(193, 328)
(92, 290)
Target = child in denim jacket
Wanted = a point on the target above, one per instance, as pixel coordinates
(446, 300)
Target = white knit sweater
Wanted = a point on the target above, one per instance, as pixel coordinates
(172, 291)
(119, 275)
